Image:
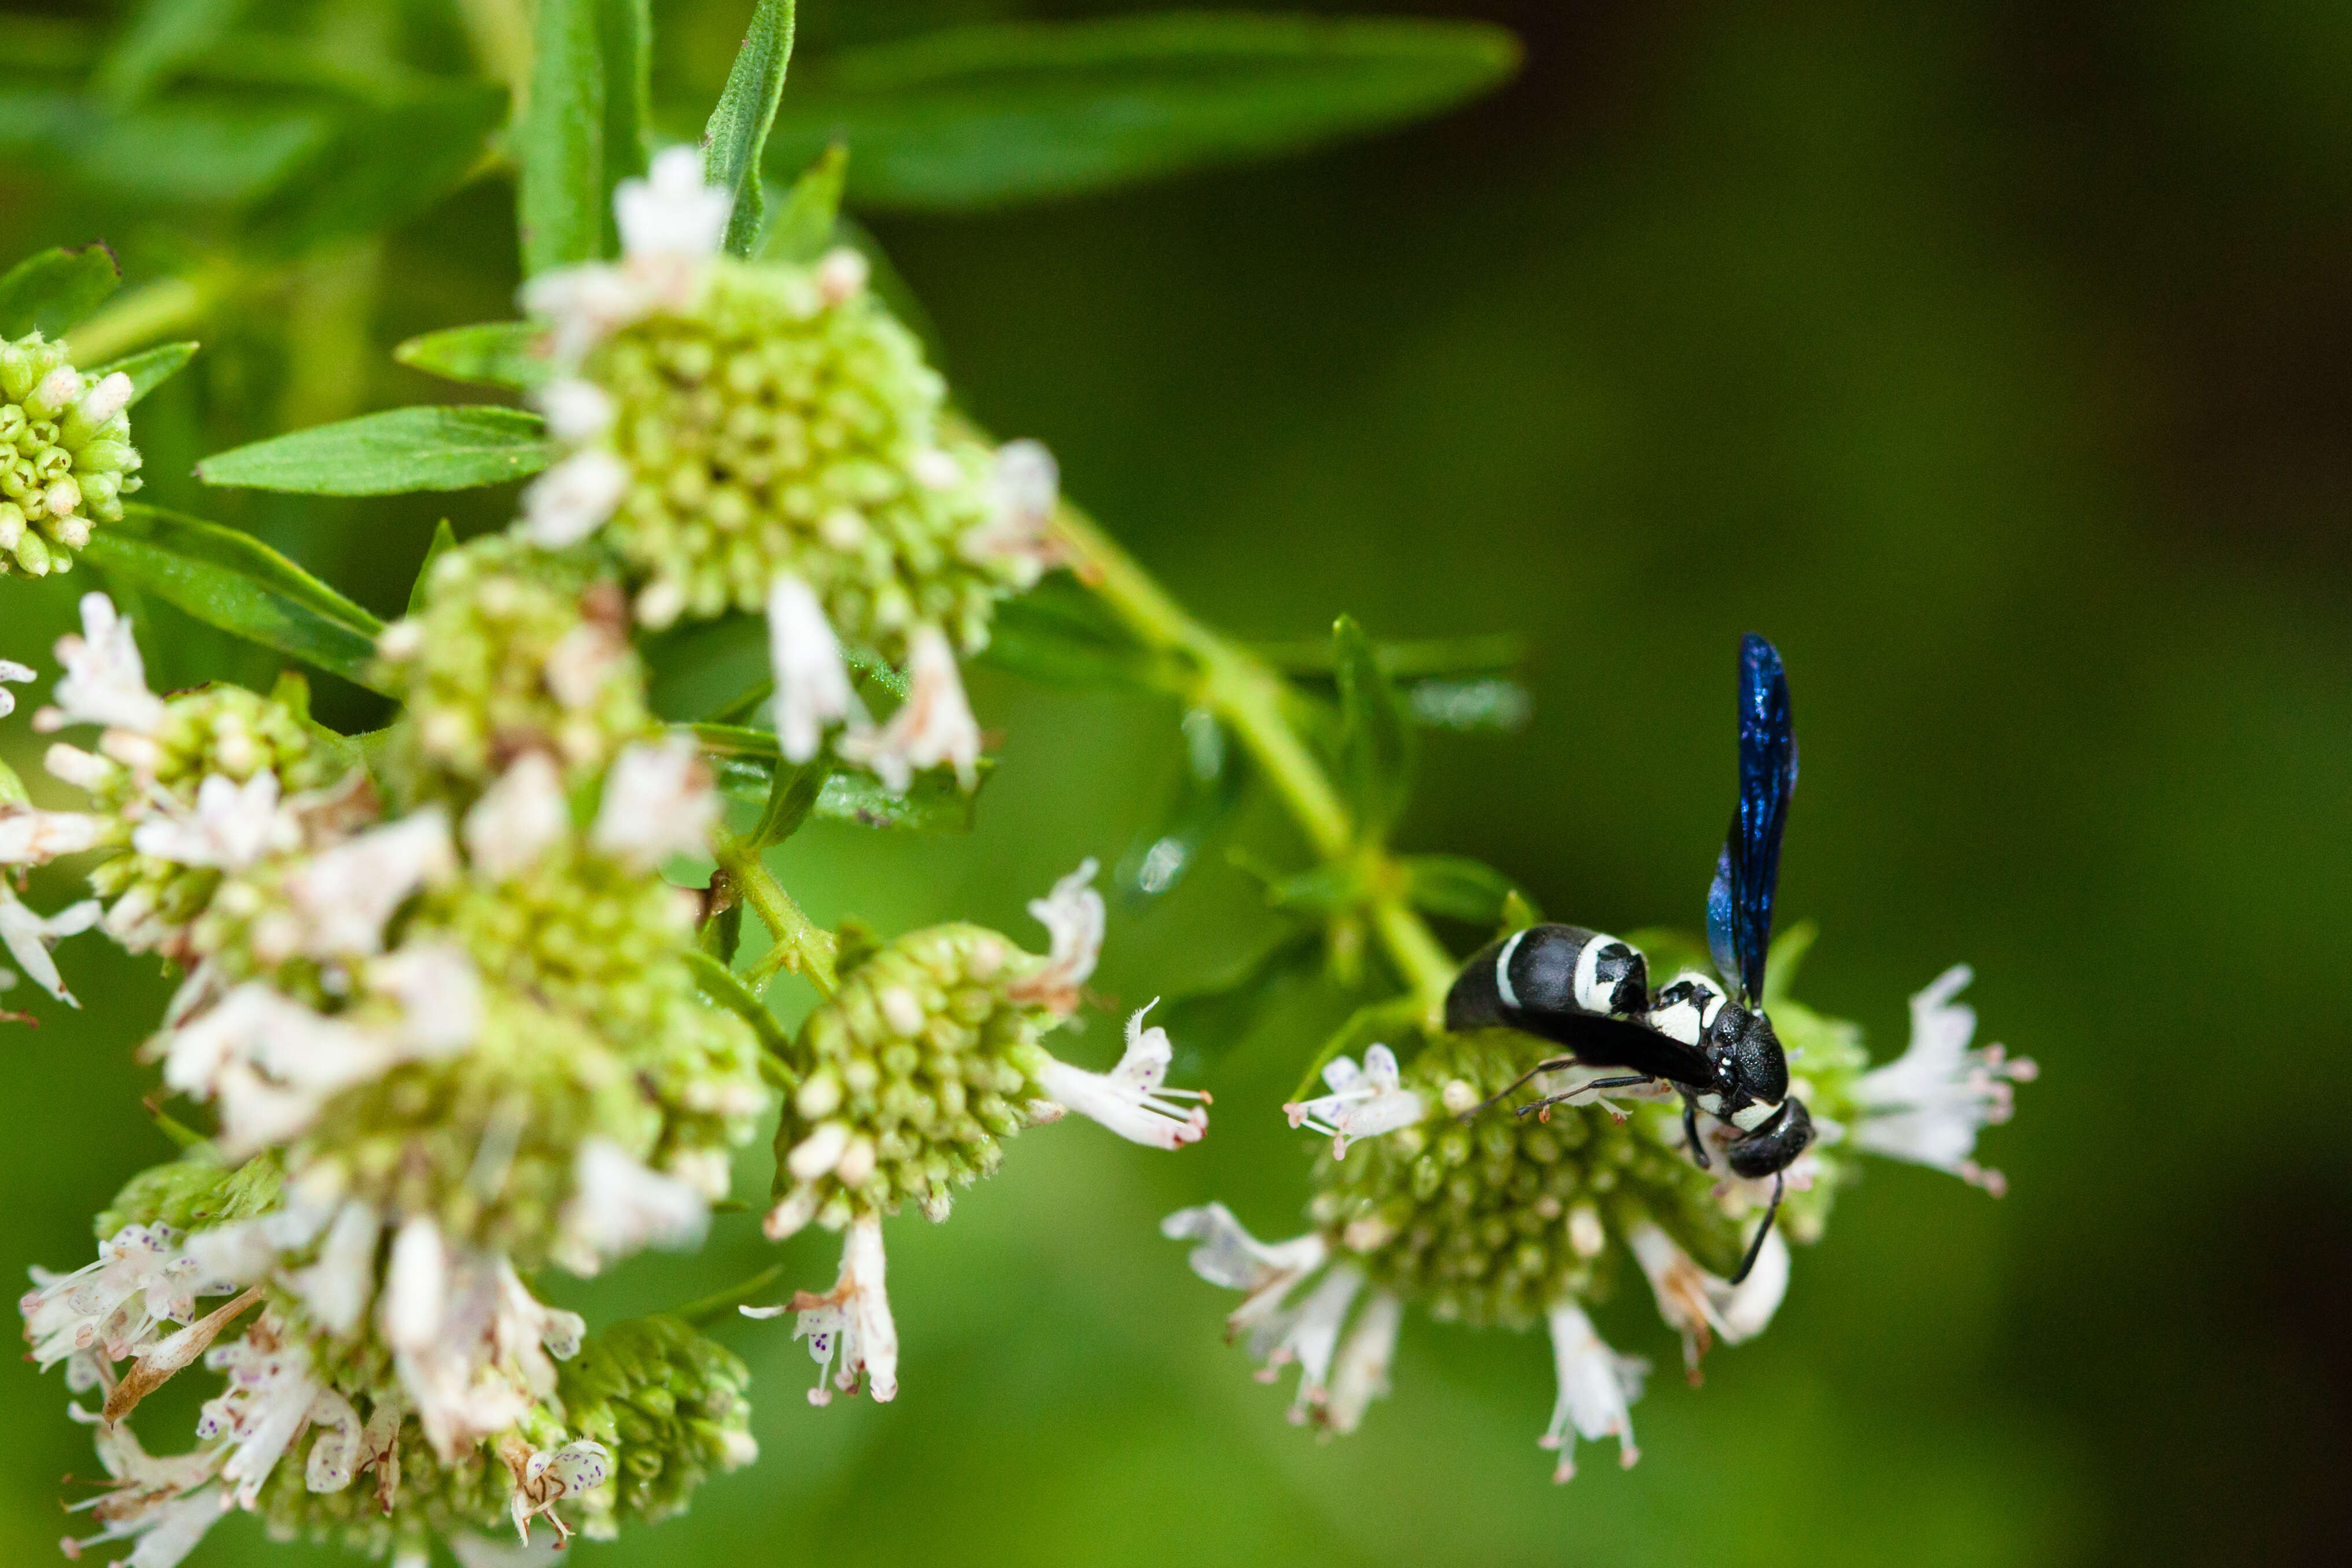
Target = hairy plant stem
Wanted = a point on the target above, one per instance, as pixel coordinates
(1247, 695)
(800, 945)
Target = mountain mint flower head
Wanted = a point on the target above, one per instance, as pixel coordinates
(912, 1075)
(1927, 1105)
(669, 1404)
(65, 457)
(513, 651)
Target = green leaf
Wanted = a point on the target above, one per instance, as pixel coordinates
(1061, 635)
(804, 228)
(627, 29)
(1204, 1023)
(792, 794)
(988, 115)
(1375, 735)
(382, 166)
(197, 150)
(164, 36)
(723, 986)
(444, 540)
(151, 369)
(12, 788)
(490, 354)
(1460, 888)
(736, 136)
(390, 454)
(51, 292)
(236, 582)
(1210, 788)
(559, 145)
(1519, 912)
(934, 804)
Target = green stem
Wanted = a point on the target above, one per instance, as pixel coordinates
(711, 1309)
(801, 945)
(1249, 696)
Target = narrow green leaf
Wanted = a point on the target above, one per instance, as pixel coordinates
(390, 454)
(627, 29)
(1209, 788)
(151, 369)
(1059, 634)
(792, 796)
(804, 228)
(1376, 734)
(381, 166)
(736, 136)
(1204, 1023)
(1460, 888)
(723, 986)
(934, 804)
(165, 35)
(490, 354)
(197, 150)
(12, 788)
(1519, 912)
(236, 582)
(1004, 112)
(444, 540)
(49, 292)
(559, 145)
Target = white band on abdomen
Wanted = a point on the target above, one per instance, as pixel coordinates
(1503, 970)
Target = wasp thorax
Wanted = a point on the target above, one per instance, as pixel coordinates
(783, 423)
(913, 1074)
(513, 652)
(65, 457)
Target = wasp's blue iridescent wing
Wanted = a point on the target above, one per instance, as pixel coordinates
(1739, 905)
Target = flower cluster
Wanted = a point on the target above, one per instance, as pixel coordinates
(912, 1075)
(65, 457)
(444, 1017)
(765, 437)
(1426, 1195)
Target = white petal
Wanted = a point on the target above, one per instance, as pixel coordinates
(670, 211)
(520, 818)
(657, 803)
(573, 499)
(1597, 1388)
(105, 680)
(932, 727)
(812, 689)
(1073, 916)
(29, 836)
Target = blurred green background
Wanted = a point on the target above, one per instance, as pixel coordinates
(1991, 358)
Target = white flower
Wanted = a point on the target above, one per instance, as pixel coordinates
(657, 803)
(518, 819)
(11, 670)
(82, 769)
(108, 397)
(167, 1526)
(1696, 1303)
(1131, 1099)
(116, 1306)
(576, 410)
(232, 825)
(1230, 1255)
(841, 275)
(336, 1287)
(588, 304)
(29, 836)
(813, 688)
(850, 1323)
(271, 1390)
(933, 726)
(619, 1207)
(1363, 1102)
(670, 211)
(105, 680)
(470, 1343)
(29, 936)
(439, 992)
(345, 895)
(1929, 1104)
(342, 1445)
(573, 499)
(1361, 1373)
(1073, 916)
(1028, 485)
(578, 1467)
(583, 661)
(1597, 1389)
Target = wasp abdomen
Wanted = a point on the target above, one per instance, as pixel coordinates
(1548, 970)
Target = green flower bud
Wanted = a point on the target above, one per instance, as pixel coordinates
(195, 1191)
(669, 1404)
(515, 650)
(65, 457)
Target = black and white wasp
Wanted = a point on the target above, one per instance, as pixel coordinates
(1590, 994)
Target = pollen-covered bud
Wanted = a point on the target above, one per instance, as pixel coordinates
(672, 1407)
(65, 457)
(514, 651)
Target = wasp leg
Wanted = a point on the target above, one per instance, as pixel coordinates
(1550, 1100)
(1780, 1184)
(1553, 1065)
(1690, 1133)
